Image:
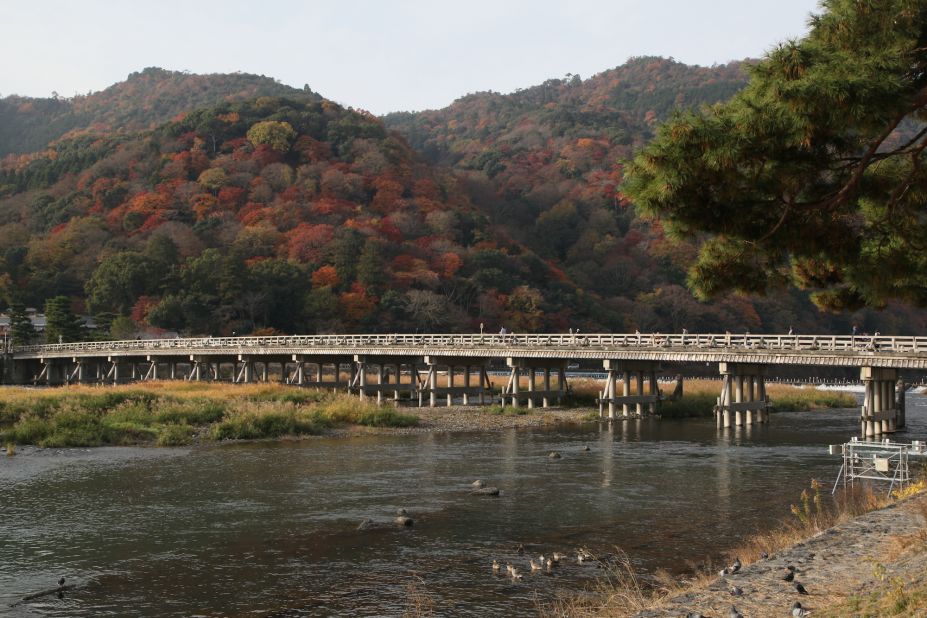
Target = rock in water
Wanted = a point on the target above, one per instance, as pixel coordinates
(365, 525)
(554, 455)
(477, 484)
(486, 491)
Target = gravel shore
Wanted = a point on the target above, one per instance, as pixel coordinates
(852, 558)
(473, 418)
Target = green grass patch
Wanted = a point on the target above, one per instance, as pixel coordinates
(175, 435)
(694, 405)
(497, 410)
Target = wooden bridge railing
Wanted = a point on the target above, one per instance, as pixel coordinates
(831, 343)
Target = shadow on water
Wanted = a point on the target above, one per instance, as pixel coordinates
(270, 529)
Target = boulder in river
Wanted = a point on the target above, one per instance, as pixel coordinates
(486, 491)
(554, 455)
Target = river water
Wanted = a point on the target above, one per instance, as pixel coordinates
(269, 529)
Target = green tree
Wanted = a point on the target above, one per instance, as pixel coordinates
(118, 281)
(370, 266)
(213, 179)
(814, 173)
(123, 328)
(21, 328)
(273, 133)
(61, 324)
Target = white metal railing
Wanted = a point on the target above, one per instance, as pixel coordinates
(884, 461)
(738, 342)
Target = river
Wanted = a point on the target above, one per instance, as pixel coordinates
(269, 529)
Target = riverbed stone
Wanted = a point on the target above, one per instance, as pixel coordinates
(486, 491)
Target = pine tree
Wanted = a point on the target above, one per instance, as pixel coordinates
(814, 174)
(61, 324)
(21, 328)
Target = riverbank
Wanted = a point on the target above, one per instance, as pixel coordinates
(868, 565)
(183, 413)
(872, 565)
(179, 414)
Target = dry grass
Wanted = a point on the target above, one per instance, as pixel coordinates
(419, 604)
(622, 591)
(813, 514)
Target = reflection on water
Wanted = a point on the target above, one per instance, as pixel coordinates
(270, 529)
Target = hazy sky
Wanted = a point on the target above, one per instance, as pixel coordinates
(380, 56)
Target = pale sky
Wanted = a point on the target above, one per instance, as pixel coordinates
(380, 56)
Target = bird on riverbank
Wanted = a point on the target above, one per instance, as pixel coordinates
(509, 568)
(764, 556)
(549, 564)
(735, 591)
(799, 588)
(495, 566)
(798, 611)
(736, 566)
(724, 571)
(534, 566)
(61, 582)
(789, 576)
(733, 613)
(516, 574)
(557, 557)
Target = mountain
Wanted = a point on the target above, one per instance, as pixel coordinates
(267, 214)
(144, 100)
(209, 204)
(544, 165)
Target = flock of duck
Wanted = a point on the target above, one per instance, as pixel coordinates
(544, 564)
(788, 575)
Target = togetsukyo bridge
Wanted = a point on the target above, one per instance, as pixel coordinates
(405, 367)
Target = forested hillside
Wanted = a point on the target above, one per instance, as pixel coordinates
(544, 165)
(200, 204)
(271, 214)
(145, 100)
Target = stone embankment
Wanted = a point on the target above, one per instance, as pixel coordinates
(852, 559)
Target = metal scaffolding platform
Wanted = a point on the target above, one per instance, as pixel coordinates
(884, 461)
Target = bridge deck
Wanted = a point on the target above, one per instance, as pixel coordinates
(826, 350)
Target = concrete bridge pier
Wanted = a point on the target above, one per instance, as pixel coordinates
(880, 413)
(743, 398)
(900, 391)
(631, 372)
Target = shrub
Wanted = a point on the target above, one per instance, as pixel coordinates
(179, 434)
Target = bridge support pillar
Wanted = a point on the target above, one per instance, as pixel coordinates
(743, 395)
(533, 395)
(900, 402)
(880, 412)
(639, 370)
(466, 383)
